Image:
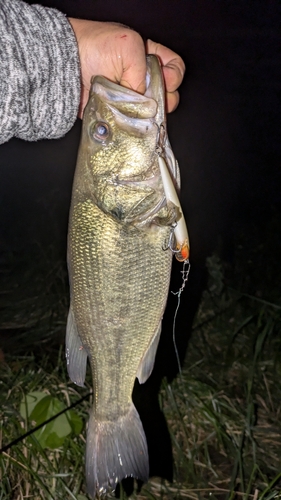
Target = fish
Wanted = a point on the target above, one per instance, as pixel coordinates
(125, 224)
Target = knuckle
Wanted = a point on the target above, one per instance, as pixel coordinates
(135, 37)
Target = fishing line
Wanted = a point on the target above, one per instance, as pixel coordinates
(185, 273)
(28, 433)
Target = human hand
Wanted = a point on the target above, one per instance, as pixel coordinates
(118, 53)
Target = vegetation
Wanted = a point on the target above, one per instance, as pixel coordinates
(223, 410)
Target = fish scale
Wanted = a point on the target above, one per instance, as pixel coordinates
(124, 259)
(120, 222)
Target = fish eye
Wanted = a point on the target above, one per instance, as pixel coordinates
(100, 131)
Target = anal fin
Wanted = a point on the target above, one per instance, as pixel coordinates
(76, 355)
(147, 362)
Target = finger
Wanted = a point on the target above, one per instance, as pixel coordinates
(134, 61)
(173, 65)
(172, 101)
(172, 77)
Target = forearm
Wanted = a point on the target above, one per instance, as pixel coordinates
(40, 74)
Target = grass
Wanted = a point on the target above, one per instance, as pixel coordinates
(223, 410)
(28, 470)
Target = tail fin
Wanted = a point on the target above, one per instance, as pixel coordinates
(115, 450)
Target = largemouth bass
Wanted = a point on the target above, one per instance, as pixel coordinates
(123, 218)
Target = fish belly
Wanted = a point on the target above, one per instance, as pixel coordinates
(119, 278)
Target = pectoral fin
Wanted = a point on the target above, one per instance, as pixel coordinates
(76, 355)
(147, 362)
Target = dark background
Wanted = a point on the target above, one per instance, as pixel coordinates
(225, 135)
(225, 132)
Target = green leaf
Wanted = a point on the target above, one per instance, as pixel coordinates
(29, 402)
(39, 407)
(41, 411)
(75, 421)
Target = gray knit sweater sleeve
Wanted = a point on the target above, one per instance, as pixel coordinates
(39, 72)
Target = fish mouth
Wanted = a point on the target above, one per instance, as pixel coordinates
(133, 195)
(155, 87)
